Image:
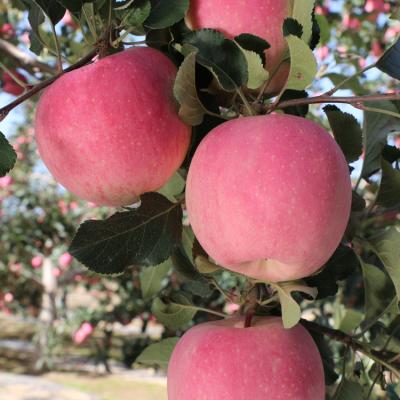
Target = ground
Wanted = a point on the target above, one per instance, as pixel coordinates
(62, 386)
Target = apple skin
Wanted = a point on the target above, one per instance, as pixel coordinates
(263, 18)
(224, 361)
(110, 131)
(269, 196)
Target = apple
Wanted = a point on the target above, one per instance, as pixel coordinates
(83, 333)
(36, 262)
(65, 260)
(9, 85)
(7, 31)
(224, 361)
(263, 18)
(110, 131)
(269, 196)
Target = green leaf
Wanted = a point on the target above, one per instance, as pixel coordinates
(389, 191)
(151, 279)
(376, 129)
(175, 314)
(134, 16)
(143, 236)
(292, 27)
(387, 247)
(184, 266)
(358, 203)
(165, 13)
(303, 66)
(324, 28)
(8, 156)
(52, 8)
(349, 390)
(353, 84)
(378, 292)
(205, 266)
(302, 12)
(36, 18)
(74, 6)
(390, 61)
(300, 110)
(351, 321)
(327, 357)
(254, 43)
(221, 56)
(158, 354)
(173, 187)
(340, 266)
(257, 74)
(191, 109)
(291, 312)
(391, 154)
(347, 132)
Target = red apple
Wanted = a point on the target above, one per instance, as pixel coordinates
(110, 131)
(225, 361)
(269, 196)
(9, 85)
(263, 18)
(7, 31)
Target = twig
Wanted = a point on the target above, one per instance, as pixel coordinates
(24, 59)
(37, 88)
(354, 344)
(357, 100)
(342, 83)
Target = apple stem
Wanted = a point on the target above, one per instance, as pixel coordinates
(248, 319)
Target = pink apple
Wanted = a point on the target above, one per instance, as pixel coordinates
(225, 361)
(7, 31)
(8, 297)
(65, 260)
(37, 262)
(5, 181)
(377, 48)
(9, 85)
(376, 6)
(83, 333)
(269, 196)
(263, 18)
(352, 23)
(110, 131)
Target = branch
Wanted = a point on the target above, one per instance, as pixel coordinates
(356, 100)
(379, 357)
(37, 88)
(24, 59)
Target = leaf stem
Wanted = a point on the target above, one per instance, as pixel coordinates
(245, 102)
(58, 49)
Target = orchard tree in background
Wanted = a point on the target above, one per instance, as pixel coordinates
(140, 97)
